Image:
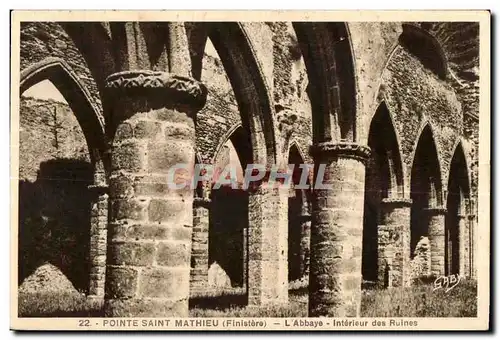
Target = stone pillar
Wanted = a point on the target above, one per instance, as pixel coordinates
(98, 239)
(199, 252)
(394, 242)
(245, 257)
(337, 230)
(463, 245)
(267, 246)
(150, 230)
(471, 219)
(436, 219)
(305, 241)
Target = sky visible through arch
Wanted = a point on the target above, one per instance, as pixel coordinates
(45, 90)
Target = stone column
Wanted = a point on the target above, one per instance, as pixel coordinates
(472, 245)
(98, 239)
(436, 219)
(305, 241)
(394, 242)
(150, 230)
(305, 236)
(267, 246)
(463, 245)
(337, 230)
(199, 252)
(245, 258)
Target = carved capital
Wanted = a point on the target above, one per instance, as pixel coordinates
(163, 88)
(435, 211)
(397, 202)
(330, 150)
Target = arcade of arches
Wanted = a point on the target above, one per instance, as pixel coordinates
(393, 126)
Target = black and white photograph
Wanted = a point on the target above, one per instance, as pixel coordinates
(269, 173)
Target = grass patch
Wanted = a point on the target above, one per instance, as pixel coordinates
(421, 301)
(58, 305)
(416, 301)
(235, 306)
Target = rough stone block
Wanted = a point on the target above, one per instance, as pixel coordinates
(165, 210)
(123, 132)
(151, 186)
(172, 254)
(165, 283)
(129, 209)
(162, 156)
(145, 129)
(134, 254)
(179, 131)
(120, 185)
(121, 282)
(129, 157)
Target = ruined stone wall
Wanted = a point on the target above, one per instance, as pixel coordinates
(372, 44)
(220, 114)
(414, 95)
(54, 173)
(289, 87)
(471, 147)
(42, 40)
(47, 130)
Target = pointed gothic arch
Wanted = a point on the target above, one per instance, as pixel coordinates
(59, 73)
(426, 183)
(246, 77)
(329, 61)
(457, 232)
(383, 180)
(299, 222)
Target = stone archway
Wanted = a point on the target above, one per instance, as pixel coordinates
(246, 77)
(337, 212)
(384, 237)
(427, 212)
(255, 106)
(457, 231)
(73, 189)
(299, 221)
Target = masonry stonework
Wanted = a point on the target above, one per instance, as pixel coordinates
(394, 243)
(149, 246)
(183, 92)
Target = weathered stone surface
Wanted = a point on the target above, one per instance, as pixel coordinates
(131, 253)
(217, 277)
(121, 282)
(162, 156)
(145, 129)
(47, 278)
(150, 225)
(164, 283)
(128, 156)
(267, 246)
(337, 216)
(172, 254)
(437, 240)
(421, 263)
